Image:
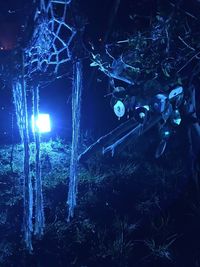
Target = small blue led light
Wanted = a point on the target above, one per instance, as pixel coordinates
(167, 133)
(41, 124)
(176, 117)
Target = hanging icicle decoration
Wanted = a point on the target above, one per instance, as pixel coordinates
(39, 208)
(17, 100)
(20, 102)
(76, 115)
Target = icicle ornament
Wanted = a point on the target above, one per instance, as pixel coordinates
(39, 207)
(76, 115)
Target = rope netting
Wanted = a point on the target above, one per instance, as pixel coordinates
(48, 50)
(49, 47)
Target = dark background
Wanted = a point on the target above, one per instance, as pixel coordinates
(120, 193)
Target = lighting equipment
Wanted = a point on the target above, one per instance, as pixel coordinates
(176, 117)
(41, 124)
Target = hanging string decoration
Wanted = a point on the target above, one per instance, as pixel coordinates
(46, 55)
(49, 48)
(17, 99)
(76, 116)
(20, 102)
(47, 51)
(39, 208)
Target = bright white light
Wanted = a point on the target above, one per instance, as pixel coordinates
(41, 124)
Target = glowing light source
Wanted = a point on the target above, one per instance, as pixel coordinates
(176, 117)
(41, 123)
(119, 109)
(165, 133)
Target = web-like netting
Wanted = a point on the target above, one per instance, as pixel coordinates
(45, 55)
(49, 47)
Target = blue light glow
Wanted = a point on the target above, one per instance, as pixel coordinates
(41, 124)
(119, 109)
